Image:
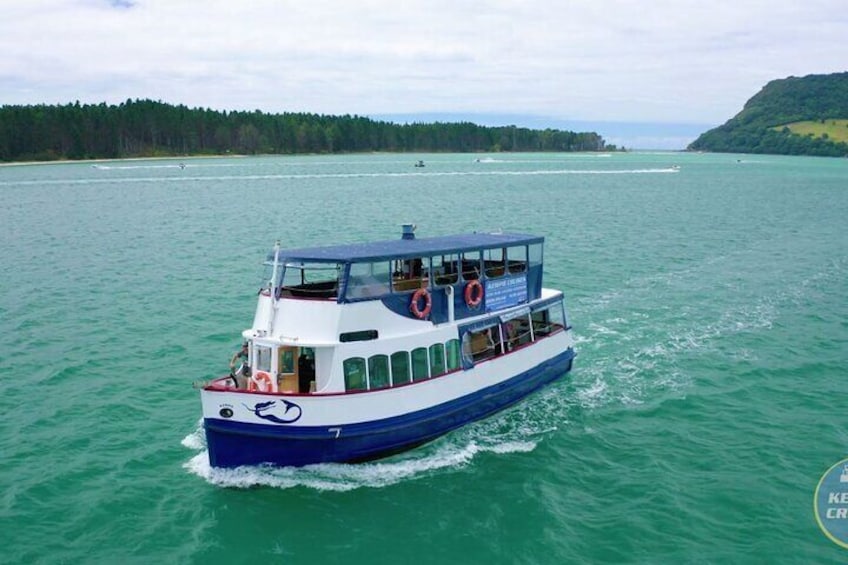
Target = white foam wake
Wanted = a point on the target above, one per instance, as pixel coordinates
(182, 178)
(344, 477)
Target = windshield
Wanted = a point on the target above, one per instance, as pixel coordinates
(310, 280)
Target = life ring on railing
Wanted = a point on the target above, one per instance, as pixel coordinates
(473, 294)
(260, 381)
(415, 304)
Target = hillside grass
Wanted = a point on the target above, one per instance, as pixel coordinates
(836, 130)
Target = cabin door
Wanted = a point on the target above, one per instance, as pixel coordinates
(287, 369)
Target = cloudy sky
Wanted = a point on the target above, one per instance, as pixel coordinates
(642, 61)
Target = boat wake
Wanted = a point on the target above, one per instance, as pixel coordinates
(136, 167)
(298, 176)
(638, 351)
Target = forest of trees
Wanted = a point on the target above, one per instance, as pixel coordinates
(758, 127)
(146, 128)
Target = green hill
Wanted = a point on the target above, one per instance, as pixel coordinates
(791, 116)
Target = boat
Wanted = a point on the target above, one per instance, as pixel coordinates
(419, 163)
(361, 351)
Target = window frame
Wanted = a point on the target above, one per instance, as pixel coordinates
(364, 371)
(435, 368)
(372, 361)
(408, 367)
(416, 364)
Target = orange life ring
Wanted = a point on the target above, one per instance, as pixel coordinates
(414, 306)
(473, 294)
(260, 381)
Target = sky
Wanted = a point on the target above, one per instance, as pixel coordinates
(659, 70)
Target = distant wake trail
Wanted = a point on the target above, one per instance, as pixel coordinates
(669, 170)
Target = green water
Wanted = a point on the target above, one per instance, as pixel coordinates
(708, 396)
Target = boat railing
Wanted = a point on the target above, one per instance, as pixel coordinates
(413, 283)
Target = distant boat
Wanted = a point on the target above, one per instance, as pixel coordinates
(419, 163)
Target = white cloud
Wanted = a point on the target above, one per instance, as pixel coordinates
(674, 61)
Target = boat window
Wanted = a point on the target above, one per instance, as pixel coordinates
(535, 255)
(400, 368)
(445, 269)
(410, 274)
(437, 359)
(480, 345)
(516, 332)
(367, 280)
(268, 275)
(546, 322)
(419, 364)
(452, 349)
(354, 374)
(310, 280)
(361, 335)
(471, 265)
(378, 371)
(263, 359)
(494, 261)
(516, 259)
(557, 317)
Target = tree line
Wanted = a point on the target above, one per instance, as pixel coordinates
(147, 128)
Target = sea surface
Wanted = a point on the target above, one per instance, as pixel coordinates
(708, 295)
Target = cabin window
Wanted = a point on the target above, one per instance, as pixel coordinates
(546, 322)
(481, 345)
(419, 364)
(410, 274)
(437, 359)
(470, 265)
(534, 257)
(263, 359)
(445, 269)
(541, 323)
(310, 280)
(378, 371)
(354, 374)
(400, 368)
(494, 262)
(516, 259)
(361, 335)
(516, 332)
(452, 349)
(558, 320)
(366, 280)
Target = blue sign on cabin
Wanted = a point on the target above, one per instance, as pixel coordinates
(505, 292)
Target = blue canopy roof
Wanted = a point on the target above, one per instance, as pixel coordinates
(405, 248)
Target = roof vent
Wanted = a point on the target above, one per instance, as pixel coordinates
(408, 231)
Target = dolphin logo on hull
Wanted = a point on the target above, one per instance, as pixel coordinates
(264, 410)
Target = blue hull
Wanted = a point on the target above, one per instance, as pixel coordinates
(232, 444)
